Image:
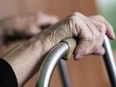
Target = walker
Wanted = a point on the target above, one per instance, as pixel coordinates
(63, 51)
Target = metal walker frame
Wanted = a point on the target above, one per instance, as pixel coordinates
(59, 51)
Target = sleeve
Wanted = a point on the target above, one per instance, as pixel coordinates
(7, 75)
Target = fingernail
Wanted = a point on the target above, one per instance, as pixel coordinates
(114, 36)
(78, 56)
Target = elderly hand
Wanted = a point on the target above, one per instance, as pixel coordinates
(26, 25)
(89, 33)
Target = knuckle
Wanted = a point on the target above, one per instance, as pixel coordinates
(103, 28)
(75, 15)
(101, 17)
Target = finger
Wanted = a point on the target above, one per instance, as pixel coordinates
(109, 30)
(102, 29)
(43, 20)
(32, 29)
(95, 36)
(93, 28)
(85, 39)
(99, 51)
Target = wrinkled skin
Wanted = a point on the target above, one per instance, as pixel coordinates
(89, 31)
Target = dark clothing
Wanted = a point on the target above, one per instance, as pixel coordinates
(7, 75)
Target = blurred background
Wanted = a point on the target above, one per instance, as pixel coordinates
(88, 72)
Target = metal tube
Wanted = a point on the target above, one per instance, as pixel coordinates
(110, 62)
(49, 64)
(60, 50)
(64, 73)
